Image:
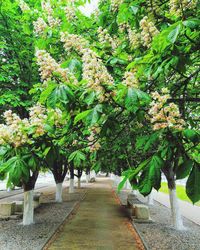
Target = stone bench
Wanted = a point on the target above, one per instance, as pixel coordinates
(92, 180)
(36, 199)
(7, 209)
(138, 209)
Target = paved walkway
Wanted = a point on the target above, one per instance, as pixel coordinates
(100, 223)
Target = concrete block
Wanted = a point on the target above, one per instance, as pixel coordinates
(19, 206)
(141, 212)
(36, 199)
(92, 180)
(7, 209)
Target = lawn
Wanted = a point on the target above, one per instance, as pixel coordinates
(180, 192)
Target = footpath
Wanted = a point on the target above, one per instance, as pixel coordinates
(99, 223)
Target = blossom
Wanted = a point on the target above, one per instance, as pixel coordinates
(164, 115)
(14, 131)
(115, 4)
(134, 38)
(48, 66)
(93, 144)
(39, 26)
(74, 42)
(96, 74)
(148, 31)
(23, 5)
(130, 80)
(46, 6)
(70, 12)
(53, 22)
(37, 119)
(177, 6)
(104, 37)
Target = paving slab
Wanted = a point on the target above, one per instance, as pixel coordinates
(99, 223)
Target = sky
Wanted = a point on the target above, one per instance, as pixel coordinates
(89, 7)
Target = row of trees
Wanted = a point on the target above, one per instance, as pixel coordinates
(116, 91)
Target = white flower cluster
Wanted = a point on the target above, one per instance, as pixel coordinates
(23, 5)
(123, 27)
(39, 26)
(46, 6)
(130, 80)
(17, 131)
(134, 38)
(93, 144)
(165, 115)
(57, 117)
(13, 132)
(74, 42)
(105, 38)
(48, 66)
(70, 12)
(148, 31)
(96, 74)
(37, 119)
(115, 4)
(177, 6)
(53, 22)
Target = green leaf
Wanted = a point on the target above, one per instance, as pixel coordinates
(151, 176)
(184, 169)
(192, 23)
(193, 184)
(121, 184)
(174, 34)
(61, 94)
(77, 157)
(192, 135)
(46, 93)
(82, 116)
(131, 100)
(94, 115)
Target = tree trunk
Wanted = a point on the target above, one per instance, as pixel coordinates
(87, 175)
(28, 208)
(176, 215)
(79, 182)
(175, 210)
(59, 172)
(71, 181)
(150, 200)
(28, 212)
(71, 186)
(59, 192)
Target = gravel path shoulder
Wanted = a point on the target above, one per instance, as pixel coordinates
(159, 235)
(48, 217)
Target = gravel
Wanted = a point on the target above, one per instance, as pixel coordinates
(159, 235)
(48, 217)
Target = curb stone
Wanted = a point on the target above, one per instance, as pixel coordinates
(134, 226)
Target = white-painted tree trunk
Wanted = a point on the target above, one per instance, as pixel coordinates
(87, 178)
(79, 182)
(59, 192)
(28, 208)
(71, 186)
(176, 215)
(150, 199)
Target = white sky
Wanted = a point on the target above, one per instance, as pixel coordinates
(89, 7)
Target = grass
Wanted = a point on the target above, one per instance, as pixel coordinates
(180, 192)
